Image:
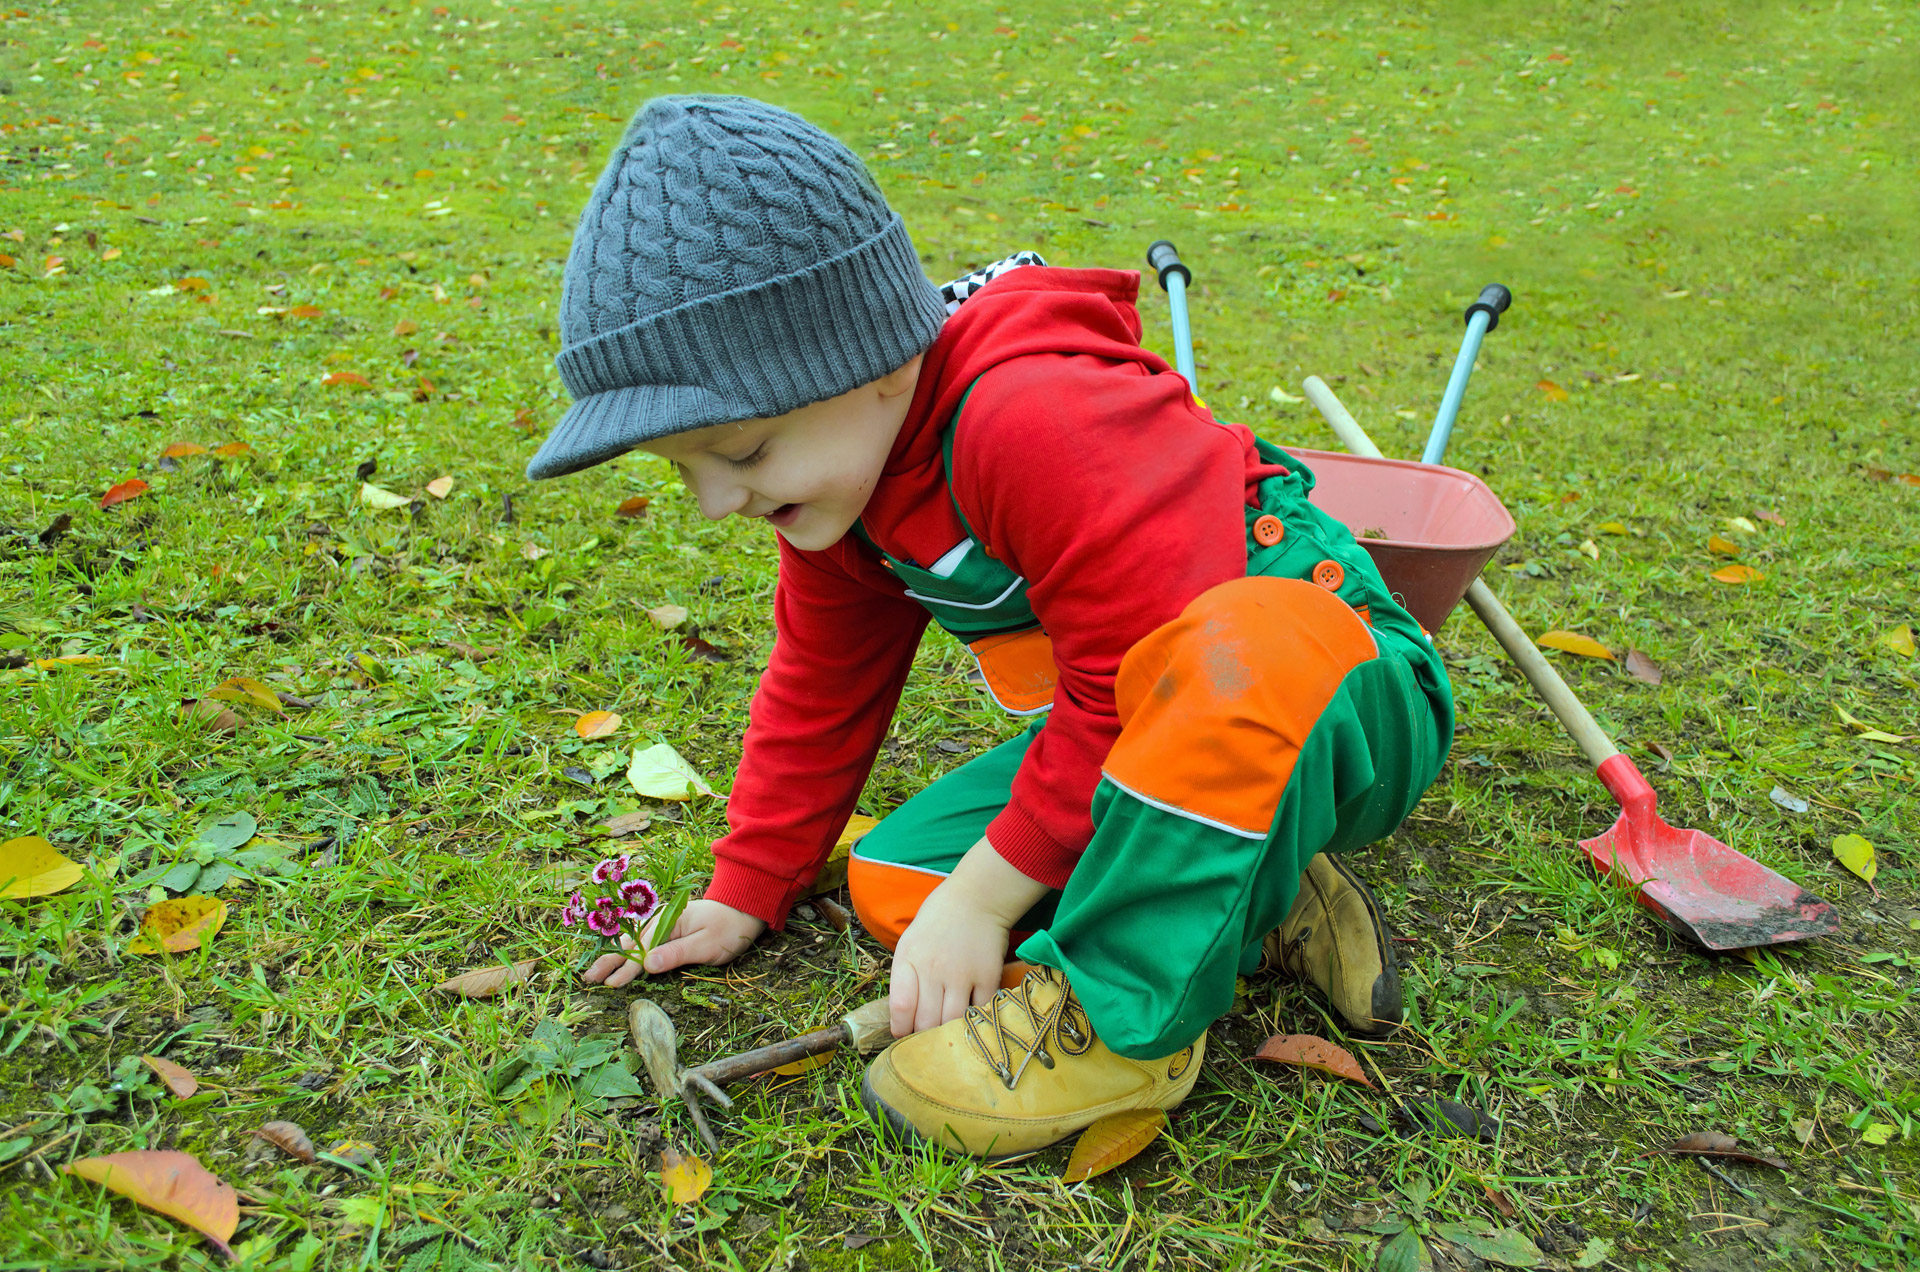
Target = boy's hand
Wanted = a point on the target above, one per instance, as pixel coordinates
(949, 959)
(707, 933)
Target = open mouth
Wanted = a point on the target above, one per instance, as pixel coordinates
(784, 514)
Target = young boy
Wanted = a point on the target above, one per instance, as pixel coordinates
(1229, 691)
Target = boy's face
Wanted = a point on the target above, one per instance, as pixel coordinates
(809, 472)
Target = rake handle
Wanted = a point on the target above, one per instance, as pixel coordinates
(1546, 682)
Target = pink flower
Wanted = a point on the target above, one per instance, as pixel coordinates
(574, 911)
(640, 896)
(605, 922)
(610, 870)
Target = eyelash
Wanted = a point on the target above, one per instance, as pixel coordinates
(749, 461)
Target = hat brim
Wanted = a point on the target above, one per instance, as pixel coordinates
(604, 425)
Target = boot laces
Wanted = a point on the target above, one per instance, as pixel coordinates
(993, 1030)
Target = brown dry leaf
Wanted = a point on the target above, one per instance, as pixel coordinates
(686, 1178)
(180, 450)
(440, 487)
(1643, 668)
(1662, 750)
(352, 379)
(1768, 514)
(132, 488)
(179, 924)
(173, 1183)
(804, 1064)
(1575, 643)
(220, 719)
(1111, 1141)
(1716, 1144)
(177, 1077)
(597, 724)
(1304, 1051)
(1720, 545)
(667, 617)
(32, 867)
(1553, 391)
(633, 507)
(1499, 1200)
(628, 824)
(246, 689)
(1737, 574)
(290, 1138)
(405, 327)
(305, 311)
(232, 450)
(703, 650)
(485, 982)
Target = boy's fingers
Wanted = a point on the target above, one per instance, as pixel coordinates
(602, 966)
(623, 974)
(902, 998)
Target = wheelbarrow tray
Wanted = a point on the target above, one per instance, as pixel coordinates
(1429, 528)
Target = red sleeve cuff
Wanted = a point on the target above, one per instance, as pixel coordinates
(1018, 838)
(754, 891)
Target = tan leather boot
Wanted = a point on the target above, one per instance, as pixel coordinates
(1335, 939)
(1020, 1073)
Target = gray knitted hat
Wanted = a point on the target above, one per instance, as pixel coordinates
(732, 262)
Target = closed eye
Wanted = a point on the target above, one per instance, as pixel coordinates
(749, 461)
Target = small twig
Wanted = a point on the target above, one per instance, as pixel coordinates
(1724, 1178)
(836, 913)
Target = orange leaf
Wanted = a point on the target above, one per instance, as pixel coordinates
(178, 1079)
(1553, 391)
(440, 487)
(178, 925)
(289, 1138)
(191, 284)
(132, 488)
(180, 450)
(1304, 1051)
(597, 724)
(1737, 574)
(405, 327)
(232, 449)
(1721, 546)
(1575, 643)
(171, 1182)
(634, 507)
(305, 311)
(347, 377)
(686, 1178)
(6, 262)
(485, 982)
(1111, 1141)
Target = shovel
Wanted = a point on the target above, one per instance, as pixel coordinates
(1695, 884)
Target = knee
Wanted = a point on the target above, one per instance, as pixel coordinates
(886, 896)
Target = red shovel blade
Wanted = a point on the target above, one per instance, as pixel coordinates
(1698, 886)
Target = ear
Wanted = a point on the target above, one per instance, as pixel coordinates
(901, 379)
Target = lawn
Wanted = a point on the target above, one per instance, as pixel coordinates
(261, 258)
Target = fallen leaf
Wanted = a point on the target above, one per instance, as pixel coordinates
(1740, 525)
(703, 650)
(180, 450)
(1792, 803)
(220, 719)
(32, 867)
(597, 724)
(1594, 1253)
(1866, 731)
(1803, 1129)
(804, 1064)
(405, 327)
(1304, 1051)
(354, 1153)
(1720, 546)
(1899, 640)
(1499, 1201)
(1448, 1117)
(1612, 527)
(633, 507)
(132, 488)
(178, 1079)
(67, 660)
(1112, 1140)
(627, 824)
(290, 1138)
(1504, 1246)
(365, 469)
(1642, 668)
(1590, 549)
(1575, 643)
(1553, 391)
(659, 772)
(375, 497)
(353, 379)
(1737, 574)
(533, 551)
(1769, 515)
(178, 925)
(485, 982)
(246, 689)
(1715, 1144)
(1402, 1252)
(440, 487)
(1877, 1133)
(667, 617)
(305, 311)
(833, 872)
(232, 450)
(686, 1178)
(171, 1182)
(1664, 751)
(1856, 854)
(227, 831)
(191, 284)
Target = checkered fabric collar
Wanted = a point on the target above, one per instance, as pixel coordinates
(955, 292)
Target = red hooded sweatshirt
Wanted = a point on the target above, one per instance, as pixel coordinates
(1084, 464)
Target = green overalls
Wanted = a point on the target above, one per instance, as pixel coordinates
(1295, 711)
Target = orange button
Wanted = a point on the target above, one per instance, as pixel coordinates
(1268, 530)
(1329, 575)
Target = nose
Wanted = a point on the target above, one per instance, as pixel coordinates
(718, 494)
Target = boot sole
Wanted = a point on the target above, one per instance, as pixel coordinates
(898, 1131)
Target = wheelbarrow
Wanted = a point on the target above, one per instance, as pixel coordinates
(1698, 886)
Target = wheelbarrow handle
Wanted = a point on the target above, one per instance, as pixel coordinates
(1482, 316)
(1164, 259)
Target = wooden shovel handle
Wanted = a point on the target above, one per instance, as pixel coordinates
(1546, 682)
(866, 1027)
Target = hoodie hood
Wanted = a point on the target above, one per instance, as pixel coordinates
(1036, 309)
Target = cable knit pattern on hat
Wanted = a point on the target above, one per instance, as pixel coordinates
(733, 261)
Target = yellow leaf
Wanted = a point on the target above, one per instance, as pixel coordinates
(1737, 574)
(1575, 643)
(32, 867)
(1899, 640)
(178, 925)
(1590, 548)
(232, 449)
(405, 327)
(686, 1178)
(597, 724)
(375, 497)
(180, 450)
(834, 872)
(1553, 391)
(246, 689)
(67, 660)
(1111, 1141)
(1613, 527)
(171, 1182)
(1740, 525)
(1856, 854)
(803, 1064)
(1721, 546)
(659, 772)
(440, 487)
(667, 617)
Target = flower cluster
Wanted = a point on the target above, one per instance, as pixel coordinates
(633, 902)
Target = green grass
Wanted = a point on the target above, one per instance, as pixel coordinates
(1705, 213)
